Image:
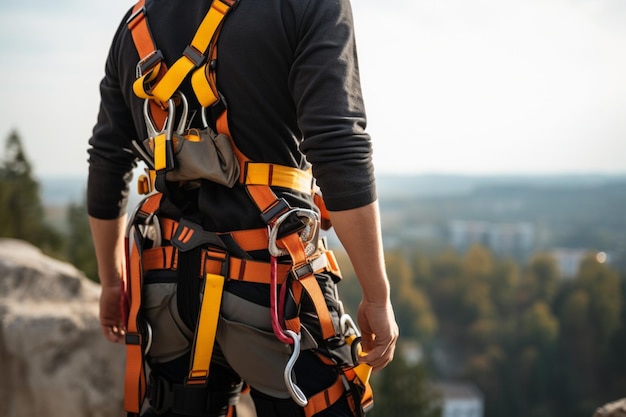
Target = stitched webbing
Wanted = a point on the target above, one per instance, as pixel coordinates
(144, 43)
(135, 378)
(207, 328)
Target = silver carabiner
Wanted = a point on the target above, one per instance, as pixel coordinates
(346, 324)
(309, 235)
(168, 127)
(182, 123)
(148, 338)
(296, 393)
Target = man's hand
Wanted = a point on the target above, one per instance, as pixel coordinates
(108, 240)
(379, 333)
(111, 314)
(359, 232)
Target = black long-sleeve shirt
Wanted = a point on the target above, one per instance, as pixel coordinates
(289, 72)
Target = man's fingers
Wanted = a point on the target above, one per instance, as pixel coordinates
(380, 354)
(114, 333)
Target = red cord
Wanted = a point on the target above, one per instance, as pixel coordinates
(276, 326)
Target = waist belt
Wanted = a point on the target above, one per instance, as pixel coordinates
(248, 270)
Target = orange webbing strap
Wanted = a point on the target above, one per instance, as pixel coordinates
(150, 61)
(312, 288)
(247, 270)
(347, 380)
(135, 378)
(204, 340)
(324, 399)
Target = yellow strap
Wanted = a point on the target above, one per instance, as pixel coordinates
(160, 152)
(140, 84)
(202, 87)
(167, 86)
(169, 83)
(363, 371)
(207, 328)
(259, 173)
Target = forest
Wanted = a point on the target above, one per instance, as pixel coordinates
(536, 344)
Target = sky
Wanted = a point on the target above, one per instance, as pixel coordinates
(482, 87)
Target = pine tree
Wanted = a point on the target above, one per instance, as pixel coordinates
(21, 210)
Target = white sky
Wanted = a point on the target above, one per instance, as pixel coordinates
(451, 86)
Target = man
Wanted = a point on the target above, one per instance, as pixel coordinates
(288, 72)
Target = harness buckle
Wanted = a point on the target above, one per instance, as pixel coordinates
(139, 339)
(146, 63)
(194, 55)
(137, 13)
(219, 255)
(278, 208)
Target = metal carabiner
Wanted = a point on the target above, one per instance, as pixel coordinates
(168, 126)
(296, 393)
(151, 230)
(309, 235)
(148, 338)
(182, 123)
(285, 336)
(346, 324)
(352, 334)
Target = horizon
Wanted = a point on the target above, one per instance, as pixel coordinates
(571, 174)
(55, 191)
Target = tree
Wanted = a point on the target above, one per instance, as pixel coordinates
(403, 390)
(21, 210)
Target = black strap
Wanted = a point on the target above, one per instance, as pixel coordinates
(190, 240)
(189, 286)
(200, 401)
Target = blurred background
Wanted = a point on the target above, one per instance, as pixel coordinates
(500, 140)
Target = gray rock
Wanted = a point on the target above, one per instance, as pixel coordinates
(614, 409)
(53, 359)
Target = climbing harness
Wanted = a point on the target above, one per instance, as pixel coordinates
(291, 236)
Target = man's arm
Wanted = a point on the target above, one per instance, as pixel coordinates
(360, 234)
(108, 239)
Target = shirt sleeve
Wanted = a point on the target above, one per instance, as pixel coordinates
(110, 159)
(326, 87)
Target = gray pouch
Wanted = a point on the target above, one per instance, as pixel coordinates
(245, 335)
(202, 154)
(171, 338)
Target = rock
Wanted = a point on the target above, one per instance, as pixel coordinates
(53, 359)
(614, 409)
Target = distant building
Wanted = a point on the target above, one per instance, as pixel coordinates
(568, 260)
(515, 239)
(460, 399)
(411, 351)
